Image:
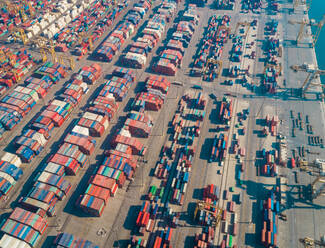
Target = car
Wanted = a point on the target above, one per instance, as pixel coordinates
(197, 87)
(213, 96)
(178, 83)
(299, 116)
(195, 73)
(229, 94)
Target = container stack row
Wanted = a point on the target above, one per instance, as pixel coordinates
(219, 148)
(120, 160)
(14, 66)
(183, 138)
(63, 12)
(99, 14)
(225, 4)
(122, 32)
(154, 96)
(174, 176)
(236, 53)
(271, 27)
(272, 124)
(138, 51)
(23, 228)
(36, 135)
(172, 54)
(225, 110)
(270, 167)
(10, 172)
(252, 5)
(119, 84)
(161, 238)
(204, 239)
(270, 209)
(146, 217)
(16, 105)
(211, 46)
(272, 49)
(67, 240)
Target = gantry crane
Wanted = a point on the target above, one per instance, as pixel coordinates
(204, 206)
(31, 9)
(46, 47)
(19, 33)
(278, 67)
(7, 55)
(71, 61)
(304, 23)
(210, 62)
(10, 6)
(303, 2)
(313, 73)
(311, 243)
(246, 24)
(320, 191)
(83, 35)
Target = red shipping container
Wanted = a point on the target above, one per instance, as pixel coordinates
(98, 192)
(263, 236)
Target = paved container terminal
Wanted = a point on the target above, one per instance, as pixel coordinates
(272, 137)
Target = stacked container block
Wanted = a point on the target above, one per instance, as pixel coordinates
(16, 105)
(171, 57)
(122, 32)
(14, 66)
(67, 240)
(136, 56)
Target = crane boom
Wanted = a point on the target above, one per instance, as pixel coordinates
(303, 24)
(313, 72)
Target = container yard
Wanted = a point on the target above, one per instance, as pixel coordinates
(160, 123)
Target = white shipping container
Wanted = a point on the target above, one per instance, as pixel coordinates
(52, 167)
(40, 138)
(173, 182)
(12, 159)
(12, 242)
(59, 103)
(73, 14)
(37, 203)
(235, 218)
(121, 147)
(185, 187)
(84, 87)
(90, 116)
(43, 177)
(125, 132)
(81, 130)
(140, 58)
(225, 227)
(67, 19)
(29, 35)
(154, 31)
(148, 225)
(27, 91)
(9, 178)
(110, 96)
(49, 35)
